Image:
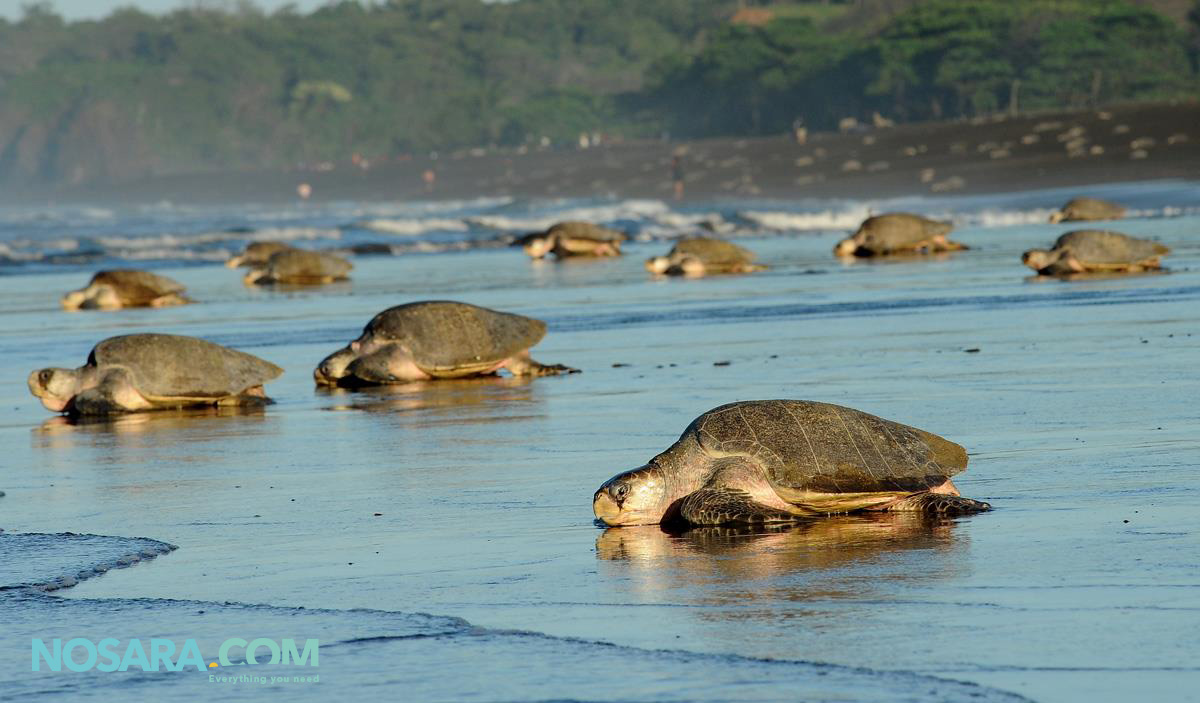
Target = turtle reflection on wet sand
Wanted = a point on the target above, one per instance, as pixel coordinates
(783, 460)
(436, 340)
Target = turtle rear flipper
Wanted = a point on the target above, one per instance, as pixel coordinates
(728, 506)
(938, 503)
(524, 365)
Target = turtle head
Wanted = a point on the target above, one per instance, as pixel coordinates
(74, 300)
(847, 246)
(1038, 259)
(255, 276)
(334, 367)
(1057, 216)
(237, 261)
(658, 264)
(636, 497)
(537, 247)
(55, 387)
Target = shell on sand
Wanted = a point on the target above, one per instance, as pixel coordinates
(136, 288)
(301, 265)
(447, 335)
(167, 366)
(820, 447)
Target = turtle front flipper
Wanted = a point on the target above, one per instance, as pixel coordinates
(937, 503)
(728, 506)
(524, 365)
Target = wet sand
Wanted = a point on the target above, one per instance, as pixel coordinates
(980, 156)
(472, 499)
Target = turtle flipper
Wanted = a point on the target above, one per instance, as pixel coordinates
(524, 365)
(725, 506)
(939, 504)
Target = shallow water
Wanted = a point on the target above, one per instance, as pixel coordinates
(1078, 410)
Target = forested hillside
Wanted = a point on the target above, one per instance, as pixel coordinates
(205, 89)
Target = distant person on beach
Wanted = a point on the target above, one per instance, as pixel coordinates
(430, 179)
(799, 131)
(677, 176)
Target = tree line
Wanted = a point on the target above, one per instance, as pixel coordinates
(233, 87)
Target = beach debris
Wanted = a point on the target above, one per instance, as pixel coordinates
(927, 175)
(1084, 209)
(154, 371)
(1093, 251)
(877, 166)
(1029, 139)
(701, 256)
(1049, 126)
(897, 233)
(852, 165)
(1121, 129)
(880, 121)
(949, 184)
(1139, 154)
(847, 124)
(770, 461)
(126, 288)
(1177, 138)
(804, 161)
(570, 239)
(1143, 143)
(299, 267)
(437, 339)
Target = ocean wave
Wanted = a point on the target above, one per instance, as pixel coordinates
(48, 562)
(413, 228)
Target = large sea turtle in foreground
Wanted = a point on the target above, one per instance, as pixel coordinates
(301, 267)
(570, 239)
(898, 233)
(153, 371)
(437, 339)
(1096, 251)
(783, 460)
(1087, 210)
(700, 256)
(256, 254)
(126, 288)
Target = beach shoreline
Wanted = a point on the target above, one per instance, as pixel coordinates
(992, 155)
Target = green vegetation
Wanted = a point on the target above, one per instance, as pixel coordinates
(199, 89)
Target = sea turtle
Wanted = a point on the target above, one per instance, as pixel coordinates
(152, 371)
(567, 239)
(300, 266)
(1093, 250)
(126, 288)
(437, 339)
(698, 256)
(1087, 210)
(256, 254)
(898, 233)
(784, 460)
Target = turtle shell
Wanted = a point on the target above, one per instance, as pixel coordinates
(713, 252)
(173, 366)
(809, 446)
(1092, 209)
(446, 336)
(586, 230)
(300, 264)
(137, 287)
(1100, 248)
(897, 231)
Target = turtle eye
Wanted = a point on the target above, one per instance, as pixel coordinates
(620, 490)
(45, 375)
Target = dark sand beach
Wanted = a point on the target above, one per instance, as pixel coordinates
(986, 155)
